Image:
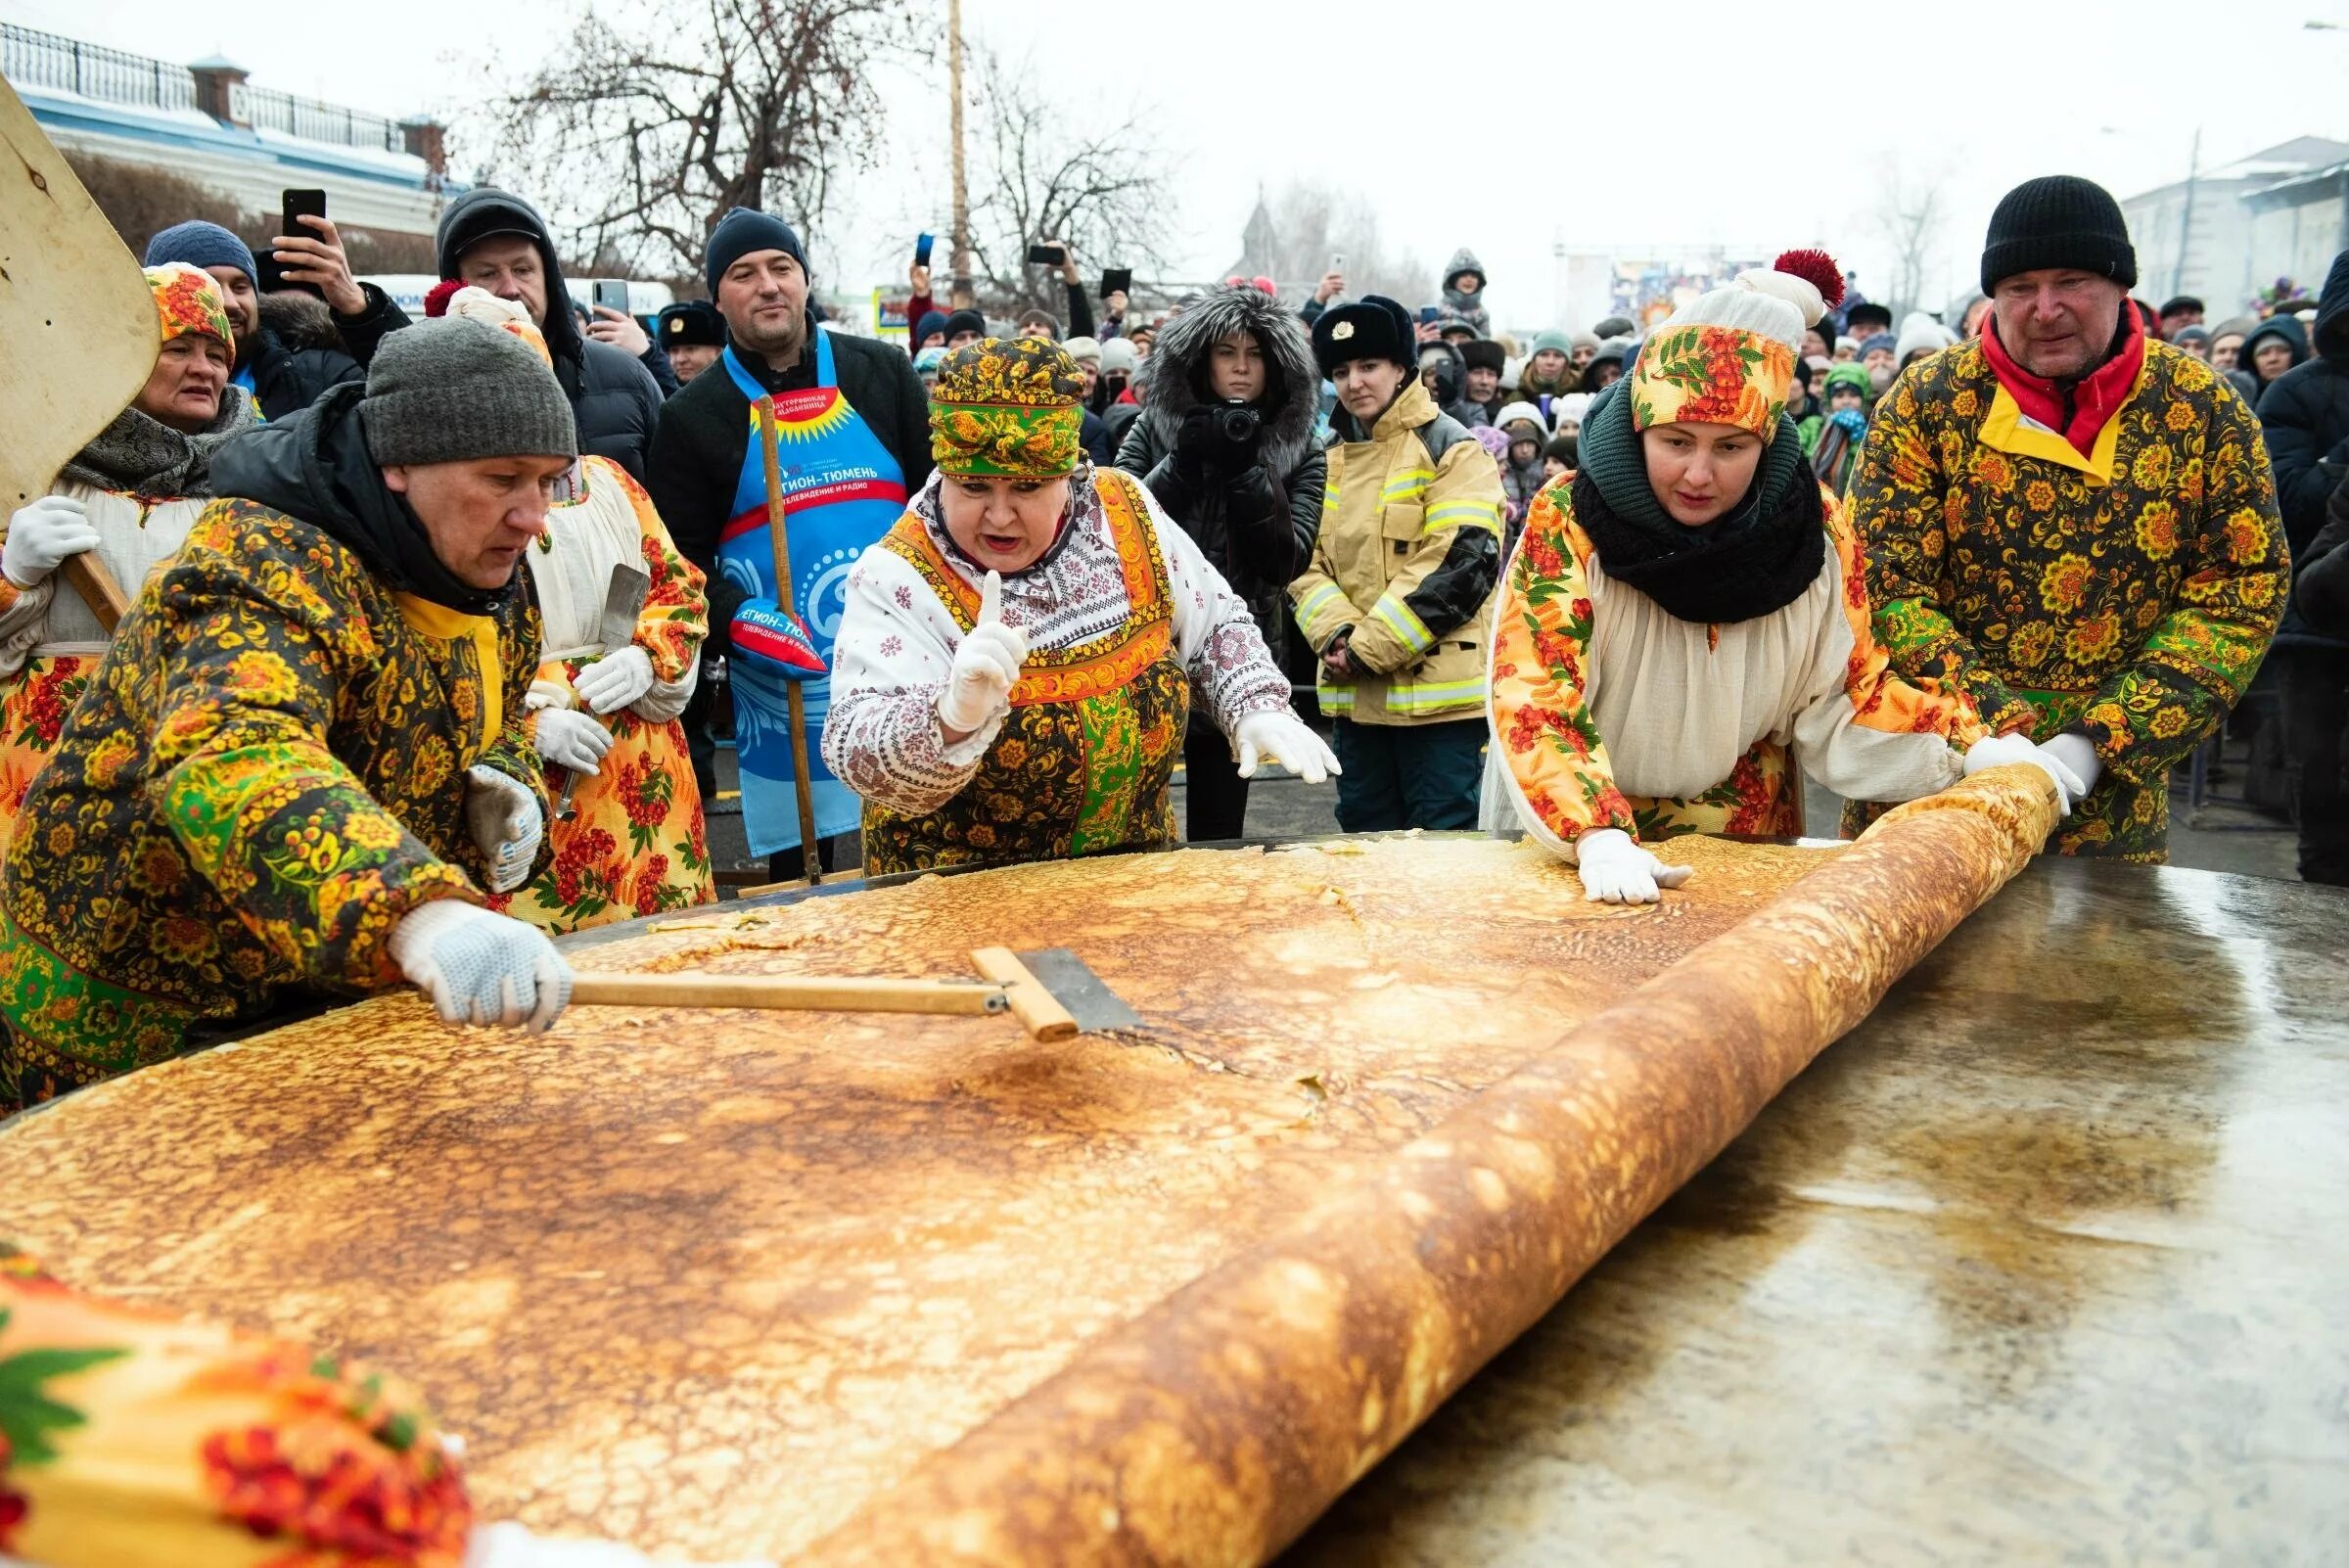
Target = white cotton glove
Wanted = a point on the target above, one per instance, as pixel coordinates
(1616, 869)
(2078, 754)
(505, 821)
(481, 968)
(666, 700)
(1996, 750)
(42, 535)
(986, 665)
(571, 739)
(615, 681)
(1281, 734)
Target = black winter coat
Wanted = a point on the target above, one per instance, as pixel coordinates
(287, 379)
(705, 432)
(2304, 415)
(1254, 510)
(2320, 591)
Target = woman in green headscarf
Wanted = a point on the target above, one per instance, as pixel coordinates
(1014, 669)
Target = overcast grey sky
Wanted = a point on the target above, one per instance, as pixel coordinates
(1506, 128)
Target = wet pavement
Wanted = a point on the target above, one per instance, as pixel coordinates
(2042, 1263)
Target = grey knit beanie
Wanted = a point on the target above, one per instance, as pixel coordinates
(450, 389)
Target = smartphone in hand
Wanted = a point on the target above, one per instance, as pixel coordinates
(295, 205)
(1047, 255)
(612, 294)
(921, 250)
(1117, 280)
(1428, 315)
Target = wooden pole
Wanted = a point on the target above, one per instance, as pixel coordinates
(90, 577)
(963, 290)
(781, 541)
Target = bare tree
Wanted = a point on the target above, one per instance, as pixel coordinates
(1046, 177)
(1910, 216)
(642, 139)
(1313, 224)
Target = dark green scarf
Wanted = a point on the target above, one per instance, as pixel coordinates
(1758, 558)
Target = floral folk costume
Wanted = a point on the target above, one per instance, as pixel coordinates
(2103, 558)
(1123, 620)
(1657, 678)
(136, 1438)
(141, 483)
(269, 769)
(637, 843)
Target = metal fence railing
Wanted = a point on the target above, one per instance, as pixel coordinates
(35, 58)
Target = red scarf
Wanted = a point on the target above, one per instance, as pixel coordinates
(2081, 416)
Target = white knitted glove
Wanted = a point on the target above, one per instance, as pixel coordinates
(986, 665)
(481, 968)
(506, 824)
(42, 535)
(1998, 751)
(615, 681)
(666, 700)
(571, 739)
(1281, 734)
(1616, 869)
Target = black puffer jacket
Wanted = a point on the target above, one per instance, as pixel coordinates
(2321, 591)
(1254, 508)
(302, 349)
(614, 399)
(2304, 415)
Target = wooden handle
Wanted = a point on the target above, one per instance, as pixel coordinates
(97, 586)
(1031, 1003)
(795, 993)
(779, 543)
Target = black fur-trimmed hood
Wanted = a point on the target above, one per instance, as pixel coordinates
(1172, 378)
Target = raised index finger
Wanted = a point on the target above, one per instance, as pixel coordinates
(990, 598)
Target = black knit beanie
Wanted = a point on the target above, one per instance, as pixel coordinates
(743, 231)
(2058, 220)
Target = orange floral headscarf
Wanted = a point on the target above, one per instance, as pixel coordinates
(188, 301)
(1701, 375)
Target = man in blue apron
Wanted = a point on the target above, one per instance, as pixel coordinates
(852, 434)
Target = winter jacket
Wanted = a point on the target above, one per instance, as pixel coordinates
(290, 370)
(1469, 308)
(1451, 381)
(1404, 566)
(614, 399)
(1254, 511)
(266, 773)
(2304, 415)
(2128, 595)
(2286, 330)
(2322, 593)
(705, 434)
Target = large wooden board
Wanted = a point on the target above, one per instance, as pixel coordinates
(77, 327)
(898, 1290)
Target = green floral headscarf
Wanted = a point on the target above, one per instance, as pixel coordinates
(1007, 406)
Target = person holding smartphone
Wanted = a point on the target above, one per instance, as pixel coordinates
(282, 378)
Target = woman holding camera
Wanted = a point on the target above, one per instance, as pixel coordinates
(1225, 444)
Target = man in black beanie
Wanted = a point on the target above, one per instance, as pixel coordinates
(2072, 523)
(853, 424)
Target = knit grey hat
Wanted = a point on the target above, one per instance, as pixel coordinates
(450, 390)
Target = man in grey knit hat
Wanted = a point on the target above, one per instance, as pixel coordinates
(304, 767)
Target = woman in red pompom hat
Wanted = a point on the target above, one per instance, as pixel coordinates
(1686, 614)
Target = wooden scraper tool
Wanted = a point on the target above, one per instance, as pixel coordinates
(1053, 993)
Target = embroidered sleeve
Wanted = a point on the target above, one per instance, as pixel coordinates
(676, 618)
(1546, 742)
(890, 665)
(1215, 635)
(1897, 497)
(266, 813)
(1863, 731)
(2200, 658)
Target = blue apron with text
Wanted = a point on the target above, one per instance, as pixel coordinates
(842, 491)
